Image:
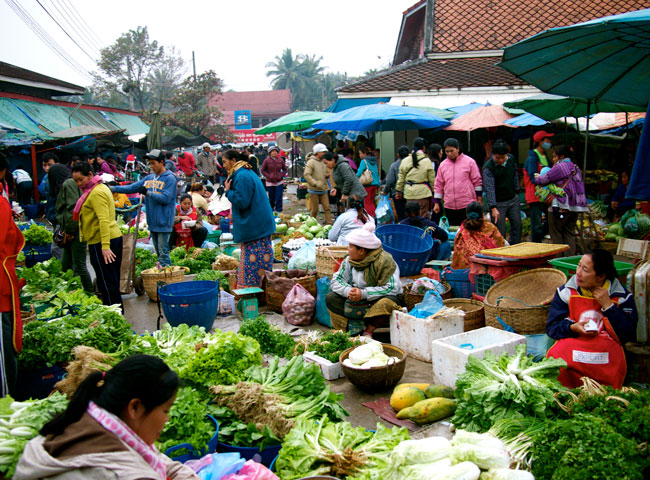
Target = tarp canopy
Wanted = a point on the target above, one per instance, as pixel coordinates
(345, 103)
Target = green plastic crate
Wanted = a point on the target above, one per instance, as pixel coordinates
(568, 265)
(213, 237)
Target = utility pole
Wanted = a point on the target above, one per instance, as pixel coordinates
(194, 65)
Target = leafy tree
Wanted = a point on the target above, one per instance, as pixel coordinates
(193, 112)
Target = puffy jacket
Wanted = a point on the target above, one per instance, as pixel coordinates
(416, 183)
(316, 174)
(206, 163)
(575, 199)
(11, 243)
(369, 163)
(346, 181)
(65, 203)
(273, 169)
(458, 183)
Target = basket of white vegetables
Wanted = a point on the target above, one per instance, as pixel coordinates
(373, 366)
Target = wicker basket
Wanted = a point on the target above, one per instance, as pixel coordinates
(521, 300)
(339, 322)
(376, 379)
(150, 279)
(326, 258)
(274, 298)
(474, 312)
(412, 299)
(28, 316)
(295, 225)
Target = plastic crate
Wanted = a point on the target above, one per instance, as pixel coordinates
(38, 383)
(226, 304)
(192, 303)
(459, 281)
(192, 454)
(36, 253)
(213, 237)
(568, 266)
(483, 283)
(408, 246)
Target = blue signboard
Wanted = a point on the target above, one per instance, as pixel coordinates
(243, 120)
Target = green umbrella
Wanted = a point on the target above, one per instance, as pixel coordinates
(293, 122)
(549, 107)
(154, 137)
(439, 112)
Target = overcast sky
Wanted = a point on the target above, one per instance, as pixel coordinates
(236, 38)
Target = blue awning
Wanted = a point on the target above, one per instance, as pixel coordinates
(345, 103)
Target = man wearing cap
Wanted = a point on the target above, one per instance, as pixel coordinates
(316, 176)
(205, 161)
(160, 202)
(534, 163)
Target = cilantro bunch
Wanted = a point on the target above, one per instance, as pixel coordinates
(272, 340)
(331, 345)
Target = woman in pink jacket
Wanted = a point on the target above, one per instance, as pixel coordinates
(274, 169)
(458, 183)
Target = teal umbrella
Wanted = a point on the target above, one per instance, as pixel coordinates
(293, 122)
(550, 107)
(606, 59)
(439, 112)
(154, 137)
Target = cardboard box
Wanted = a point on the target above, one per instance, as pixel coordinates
(414, 335)
(450, 354)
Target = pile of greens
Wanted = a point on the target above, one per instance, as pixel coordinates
(331, 344)
(37, 235)
(142, 232)
(20, 422)
(48, 342)
(196, 259)
(272, 340)
(506, 387)
(215, 276)
(46, 279)
(321, 447)
(233, 431)
(144, 260)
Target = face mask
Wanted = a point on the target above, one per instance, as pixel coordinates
(546, 145)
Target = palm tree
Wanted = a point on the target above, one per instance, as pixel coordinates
(287, 72)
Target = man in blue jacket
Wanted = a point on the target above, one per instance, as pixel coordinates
(160, 202)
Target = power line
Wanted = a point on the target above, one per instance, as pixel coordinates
(83, 24)
(65, 31)
(47, 39)
(72, 26)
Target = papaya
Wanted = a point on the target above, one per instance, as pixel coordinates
(431, 410)
(405, 397)
(421, 386)
(444, 391)
(404, 413)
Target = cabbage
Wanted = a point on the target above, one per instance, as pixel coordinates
(506, 474)
(462, 471)
(616, 229)
(484, 457)
(309, 236)
(281, 228)
(315, 229)
(361, 354)
(291, 230)
(303, 228)
(644, 224)
(426, 450)
(483, 440)
(311, 222)
(423, 471)
(236, 253)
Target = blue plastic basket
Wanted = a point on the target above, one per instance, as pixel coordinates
(36, 253)
(459, 281)
(192, 303)
(191, 452)
(408, 246)
(37, 383)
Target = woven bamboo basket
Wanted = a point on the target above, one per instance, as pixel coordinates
(521, 300)
(150, 279)
(28, 315)
(376, 379)
(274, 298)
(412, 299)
(474, 312)
(326, 258)
(339, 322)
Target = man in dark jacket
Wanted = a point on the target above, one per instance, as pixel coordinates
(391, 183)
(344, 178)
(501, 188)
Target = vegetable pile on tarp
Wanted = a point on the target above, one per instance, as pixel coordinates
(272, 340)
(632, 225)
(279, 396)
(20, 422)
(322, 447)
(508, 387)
(44, 280)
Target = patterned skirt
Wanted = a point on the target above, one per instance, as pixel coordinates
(256, 257)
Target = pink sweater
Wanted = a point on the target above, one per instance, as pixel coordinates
(458, 183)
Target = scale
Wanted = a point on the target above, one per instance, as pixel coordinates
(247, 304)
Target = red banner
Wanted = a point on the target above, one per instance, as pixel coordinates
(248, 136)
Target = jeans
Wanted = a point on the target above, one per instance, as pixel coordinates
(510, 209)
(74, 257)
(160, 242)
(536, 225)
(108, 274)
(275, 197)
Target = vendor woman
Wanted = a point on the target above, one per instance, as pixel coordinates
(367, 286)
(591, 317)
(185, 236)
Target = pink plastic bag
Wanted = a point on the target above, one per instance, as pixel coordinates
(252, 471)
(299, 306)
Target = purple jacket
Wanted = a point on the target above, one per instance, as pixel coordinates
(273, 170)
(105, 167)
(575, 199)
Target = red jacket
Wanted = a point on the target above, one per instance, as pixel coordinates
(187, 163)
(11, 243)
(273, 170)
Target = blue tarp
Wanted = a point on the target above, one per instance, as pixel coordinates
(345, 103)
(639, 187)
(526, 120)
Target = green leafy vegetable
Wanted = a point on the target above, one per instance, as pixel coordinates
(331, 344)
(271, 338)
(37, 235)
(232, 431)
(144, 260)
(44, 280)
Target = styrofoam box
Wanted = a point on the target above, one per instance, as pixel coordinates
(331, 371)
(414, 335)
(449, 359)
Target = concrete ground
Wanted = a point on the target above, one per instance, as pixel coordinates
(142, 313)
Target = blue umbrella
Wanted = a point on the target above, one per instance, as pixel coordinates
(463, 109)
(525, 120)
(639, 187)
(381, 117)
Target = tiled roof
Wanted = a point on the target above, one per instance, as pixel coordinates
(466, 25)
(18, 74)
(268, 103)
(431, 75)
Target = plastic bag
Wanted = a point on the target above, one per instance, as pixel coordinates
(431, 303)
(384, 211)
(299, 306)
(252, 471)
(423, 285)
(221, 464)
(304, 258)
(322, 289)
(444, 224)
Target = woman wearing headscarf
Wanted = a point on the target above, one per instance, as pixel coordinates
(252, 219)
(474, 235)
(366, 288)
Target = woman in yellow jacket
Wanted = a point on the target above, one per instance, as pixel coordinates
(416, 178)
(95, 211)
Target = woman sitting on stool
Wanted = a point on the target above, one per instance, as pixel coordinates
(367, 286)
(187, 237)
